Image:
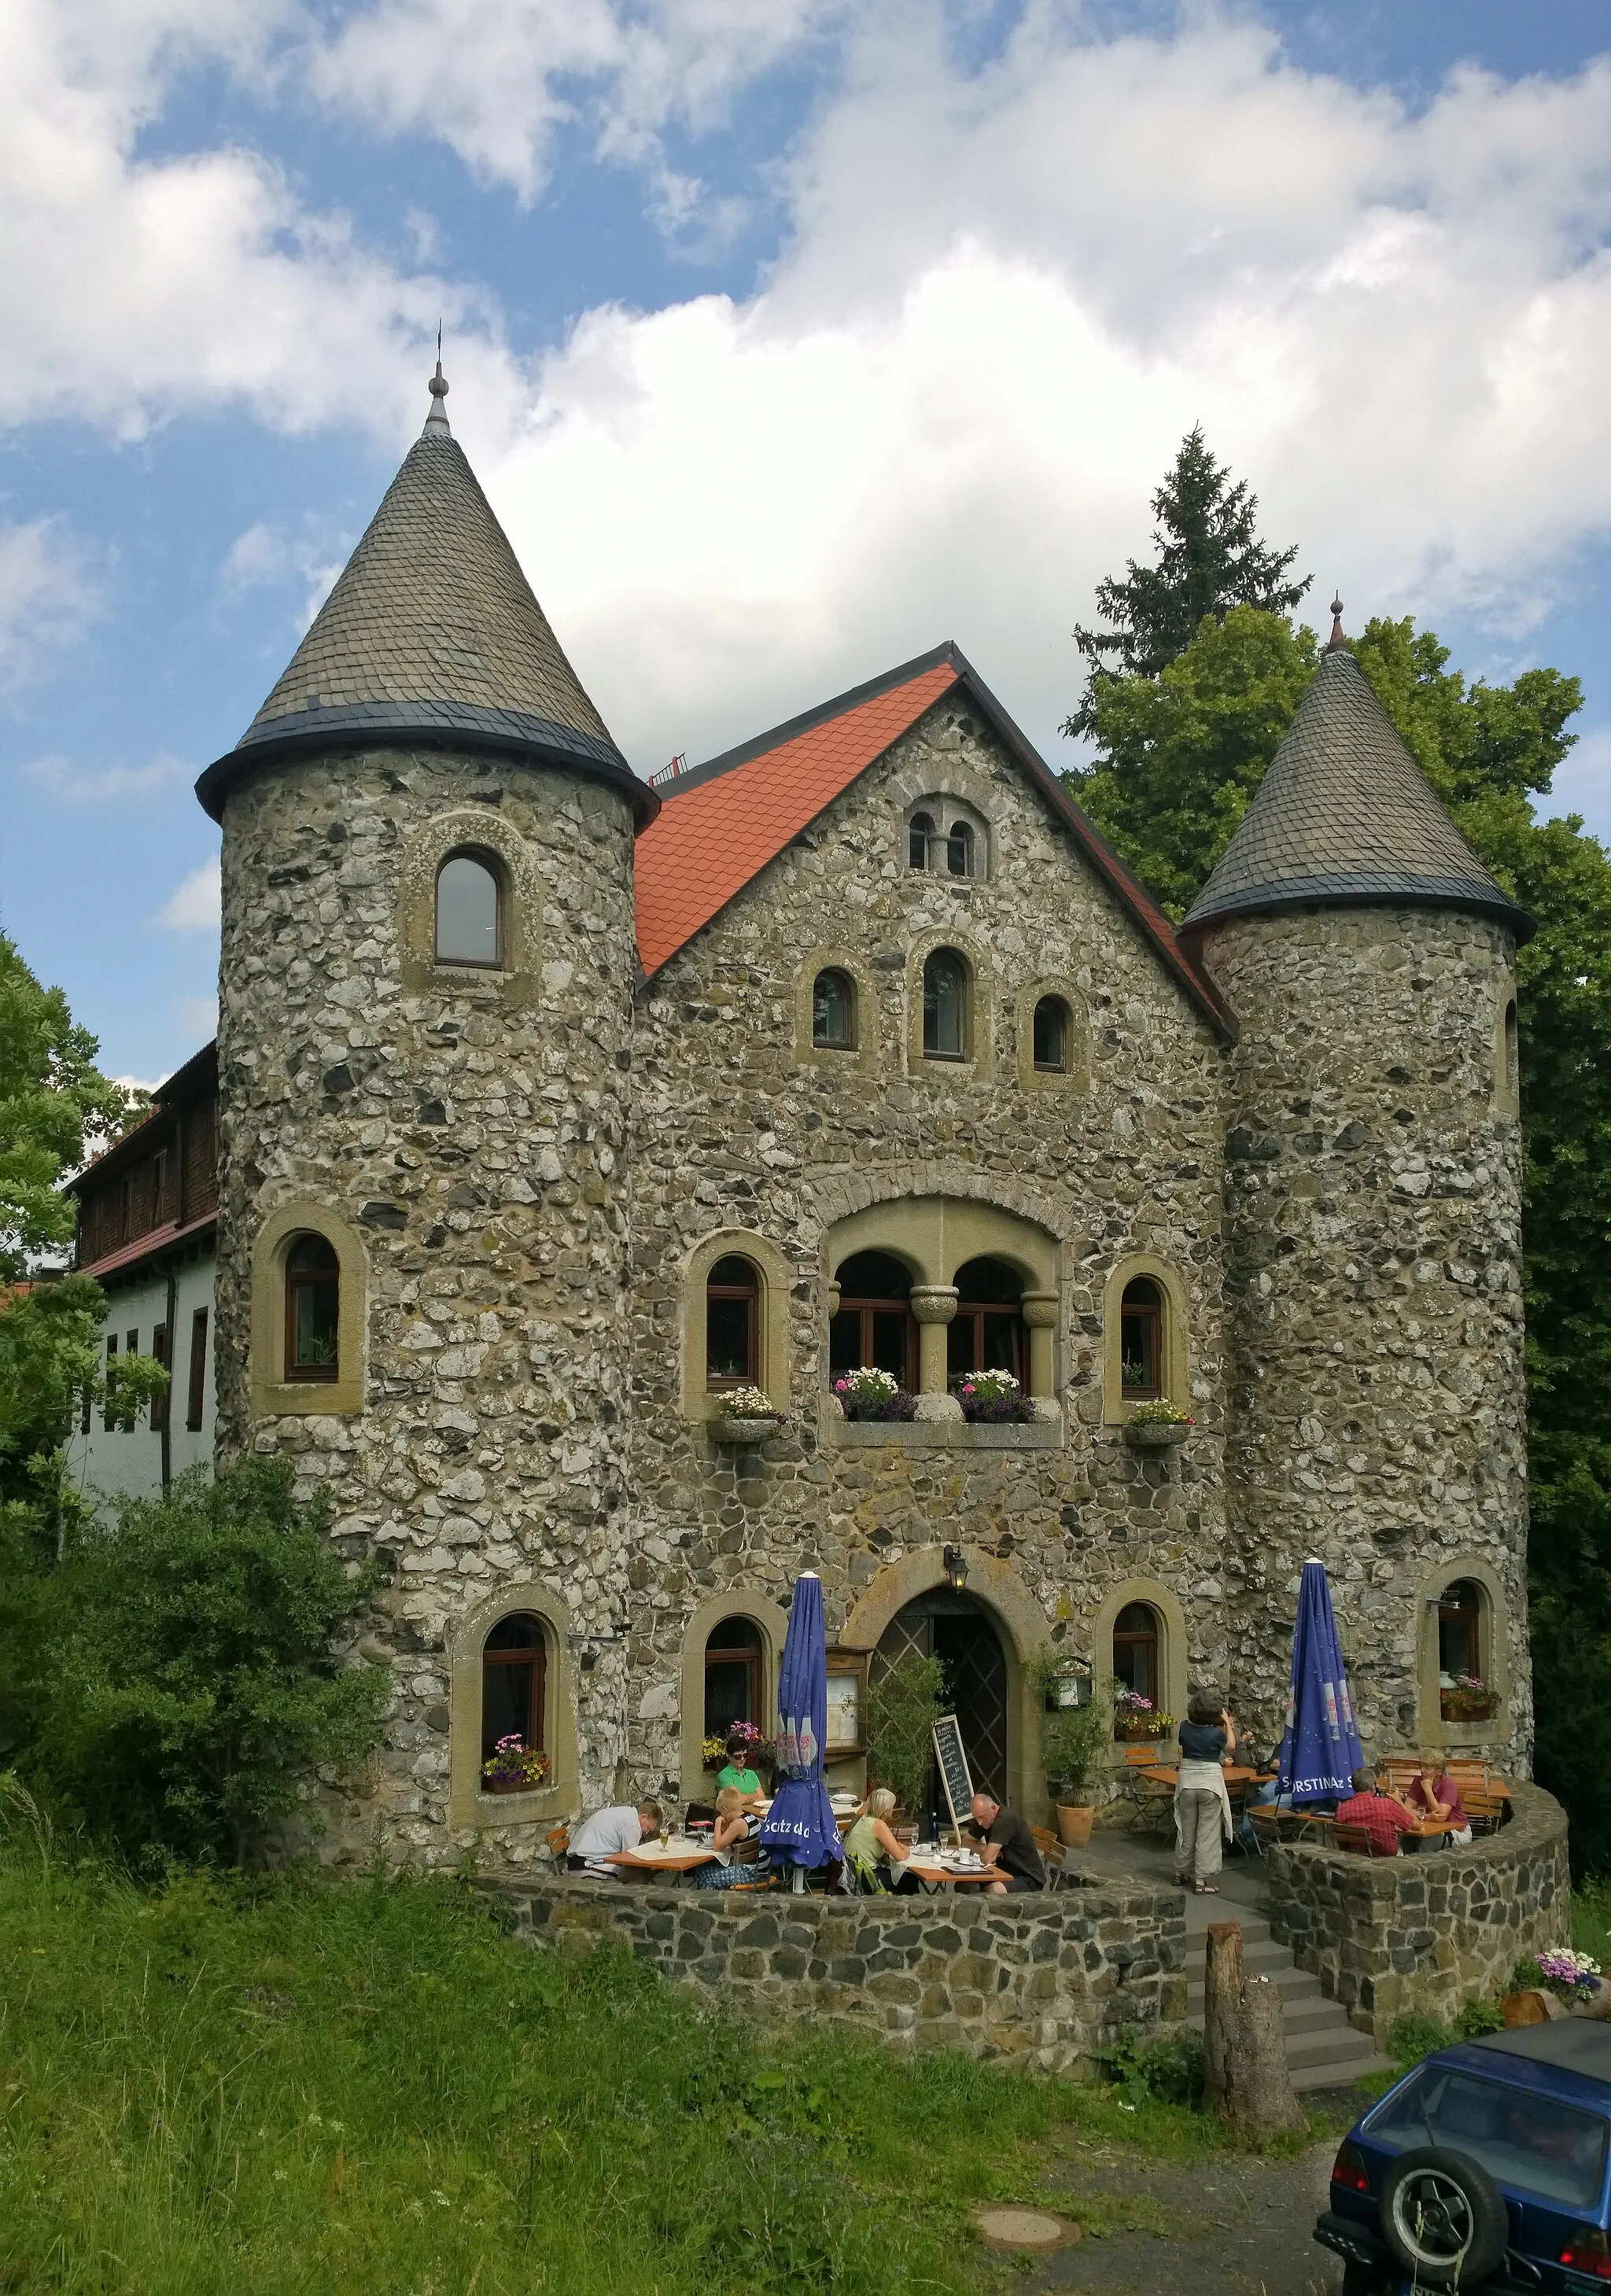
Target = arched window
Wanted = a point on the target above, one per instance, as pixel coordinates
(734, 1666)
(987, 1330)
(945, 1014)
(833, 1011)
(959, 849)
(1054, 1033)
(918, 833)
(732, 1323)
(1136, 1641)
(1141, 1340)
(514, 1683)
(313, 1294)
(874, 1325)
(468, 921)
(1511, 1083)
(1459, 1633)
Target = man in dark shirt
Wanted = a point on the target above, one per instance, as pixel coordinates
(1383, 1816)
(1007, 1843)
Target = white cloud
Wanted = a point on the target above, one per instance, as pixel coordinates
(1582, 784)
(265, 554)
(194, 904)
(84, 786)
(49, 592)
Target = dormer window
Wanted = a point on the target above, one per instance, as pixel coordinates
(946, 839)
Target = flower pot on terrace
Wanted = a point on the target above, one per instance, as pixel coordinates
(508, 1785)
(1154, 1434)
(1476, 1709)
(1075, 1820)
(1133, 1734)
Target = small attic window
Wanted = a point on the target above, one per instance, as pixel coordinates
(945, 838)
(469, 911)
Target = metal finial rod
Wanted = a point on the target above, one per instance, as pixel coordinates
(1337, 643)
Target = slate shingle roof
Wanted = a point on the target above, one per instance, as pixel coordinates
(1345, 817)
(720, 825)
(432, 633)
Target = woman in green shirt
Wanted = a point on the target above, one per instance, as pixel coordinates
(742, 1780)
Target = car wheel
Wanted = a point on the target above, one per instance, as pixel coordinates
(1443, 2217)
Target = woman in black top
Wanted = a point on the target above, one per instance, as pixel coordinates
(1202, 1805)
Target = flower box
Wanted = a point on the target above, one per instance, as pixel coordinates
(1458, 1707)
(1133, 1731)
(745, 1434)
(1155, 1434)
(509, 1786)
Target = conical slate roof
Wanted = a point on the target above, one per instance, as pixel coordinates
(431, 635)
(1344, 818)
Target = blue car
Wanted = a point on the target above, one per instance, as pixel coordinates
(1485, 2167)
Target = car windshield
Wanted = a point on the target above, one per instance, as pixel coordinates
(1524, 2140)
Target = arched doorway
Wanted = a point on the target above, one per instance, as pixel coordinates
(950, 1626)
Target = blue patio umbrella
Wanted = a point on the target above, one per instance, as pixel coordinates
(799, 1828)
(1320, 1748)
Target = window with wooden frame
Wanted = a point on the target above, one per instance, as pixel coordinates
(1137, 1638)
(159, 1403)
(733, 1324)
(1141, 1340)
(959, 849)
(735, 1667)
(987, 1331)
(945, 1007)
(195, 1402)
(833, 1011)
(469, 911)
(1053, 1034)
(920, 829)
(131, 1345)
(111, 1358)
(313, 1294)
(514, 1684)
(1460, 1632)
(874, 1326)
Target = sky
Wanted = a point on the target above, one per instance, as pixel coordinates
(788, 339)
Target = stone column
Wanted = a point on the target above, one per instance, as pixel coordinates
(1040, 1314)
(935, 1305)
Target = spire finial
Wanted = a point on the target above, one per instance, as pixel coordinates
(1337, 643)
(437, 420)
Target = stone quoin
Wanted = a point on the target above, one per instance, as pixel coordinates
(552, 1105)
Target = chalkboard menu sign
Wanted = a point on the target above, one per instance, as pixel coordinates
(954, 1774)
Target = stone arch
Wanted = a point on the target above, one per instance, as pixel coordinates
(1173, 1671)
(1024, 1626)
(738, 1602)
(776, 1280)
(834, 1198)
(468, 1808)
(981, 1013)
(481, 831)
(871, 1022)
(1437, 1573)
(1177, 1354)
(1075, 1077)
(272, 1396)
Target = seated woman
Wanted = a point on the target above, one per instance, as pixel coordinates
(1431, 1792)
(872, 1848)
(738, 1773)
(735, 1825)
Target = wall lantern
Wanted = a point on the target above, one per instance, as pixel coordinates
(955, 1566)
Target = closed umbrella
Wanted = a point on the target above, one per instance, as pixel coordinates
(799, 1828)
(1320, 1750)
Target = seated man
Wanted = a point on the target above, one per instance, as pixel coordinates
(1383, 1816)
(1007, 1843)
(609, 1831)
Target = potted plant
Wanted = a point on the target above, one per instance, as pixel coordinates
(1157, 1426)
(1539, 1980)
(903, 1704)
(1074, 1737)
(1137, 1718)
(992, 1398)
(870, 1393)
(1466, 1698)
(744, 1417)
(758, 1753)
(513, 1767)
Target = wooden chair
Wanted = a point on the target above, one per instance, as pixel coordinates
(1052, 1857)
(1266, 1823)
(1472, 1778)
(1485, 1811)
(559, 1842)
(1355, 1842)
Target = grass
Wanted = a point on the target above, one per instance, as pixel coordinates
(304, 2084)
(1592, 1920)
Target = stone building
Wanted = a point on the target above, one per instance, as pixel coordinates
(552, 1105)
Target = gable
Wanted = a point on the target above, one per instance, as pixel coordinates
(720, 825)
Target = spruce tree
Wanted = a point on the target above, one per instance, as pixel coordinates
(1210, 559)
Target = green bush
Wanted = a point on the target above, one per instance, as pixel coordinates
(1479, 2017)
(182, 1687)
(1414, 2036)
(1159, 2071)
(903, 1706)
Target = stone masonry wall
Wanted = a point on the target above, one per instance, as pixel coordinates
(471, 1127)
(1044, 1980)
(1389, 1935)
(737, 1126)
(1373, 1275)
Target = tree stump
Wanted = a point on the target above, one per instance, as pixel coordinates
(1246, 2081)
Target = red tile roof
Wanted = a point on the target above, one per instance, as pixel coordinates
(720, 825)
(713, 836)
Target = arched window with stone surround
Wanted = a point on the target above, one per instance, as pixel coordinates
(874, 1324)
(1141, 1340)
(959, 849)
(515, 1677)
(469, 911)
(733, 1324)
(313, 1302)
(735, 1676)
(946, 1016)
(948, 838)
(1462, 1633)
(1136, 1654)
(833, 1011)
(987, 1331)
(1054, 1035)
(920, 831)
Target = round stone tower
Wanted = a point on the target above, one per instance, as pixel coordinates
(1373, 1232)
(423, 1047)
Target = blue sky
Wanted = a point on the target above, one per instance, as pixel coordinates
(788, 337)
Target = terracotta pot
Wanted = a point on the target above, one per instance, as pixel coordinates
(508, 1785)
(1075, 1820)
(1136, 1733)
(1481, 1710)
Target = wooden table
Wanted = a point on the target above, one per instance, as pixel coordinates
(1161, 1774)
(649, 1857)
(939, 1876)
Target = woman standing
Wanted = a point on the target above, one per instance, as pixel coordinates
(1208, 1739)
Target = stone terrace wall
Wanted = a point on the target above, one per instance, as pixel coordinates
(1388, 1935)
(1045, 1980)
